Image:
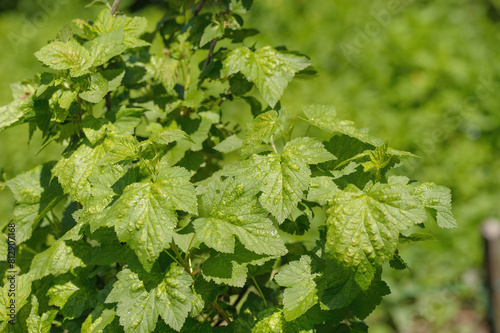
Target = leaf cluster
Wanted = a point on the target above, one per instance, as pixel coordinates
(162, 217)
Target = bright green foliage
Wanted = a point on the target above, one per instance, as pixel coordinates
(232, 211)
(262, 129)
(70, 55)
(364, 225)
(437, 199)
(97, 90)
(232, 268)
(160, 207)
(36, 194)
(300, 294)
(98, 320)
(324, 117)
(43, 323)
(139, 308)
(144, 215)
(269, 69)
(285, 177)
(229, 144)
(57, 259)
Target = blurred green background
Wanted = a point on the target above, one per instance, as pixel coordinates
(424, 75)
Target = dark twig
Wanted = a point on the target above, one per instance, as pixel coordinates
(240, 296)
(79, 100)
(114, 7)
(221, 312)
(210, 52)
(108, 101)
(198, 7)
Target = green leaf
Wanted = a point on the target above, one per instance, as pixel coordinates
(322, 189)
(307, 150)
(296, 226)
(364, 225)
(113, 76)
(301, 292)
(67, 98)
(165, 70)
(239, 85)
(437, 199)
(125, 149)
(285, 177)
(366, 302)
(75, 167)
(415, 237)
(65, 34)
(139, 308)
(263, 128)
(94, 128)
(272, 320)
(398, 263)
(337, 285)
(178, 190)
(195, 142)
(59, 258)
(22, 286)
(37, 323)
(141, 219)
(124, 119)
(232, 211)
(270, 70)
(232, 268)
(36, 194)
(70, 55)
(72, 295)
(144, 215)
(271, 323)
(229, 144)
(106, 46)
(98, 89)
(98, 320)
(325, 117)
(212, 31)
(168, 136)
(11, 114)
(131, 26)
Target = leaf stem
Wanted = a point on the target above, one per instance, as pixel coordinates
(260, 291)
(29, 249)
(53, 225)
(183, 262)
(150, 169)
(188, 253)
(175, 259)
(307, 130)
(273, 145)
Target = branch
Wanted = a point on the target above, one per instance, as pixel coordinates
(198, 7)
(221, 312)
(114, 7)
(108, 101)
(210, 52)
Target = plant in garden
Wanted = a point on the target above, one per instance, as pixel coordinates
(161, 217)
